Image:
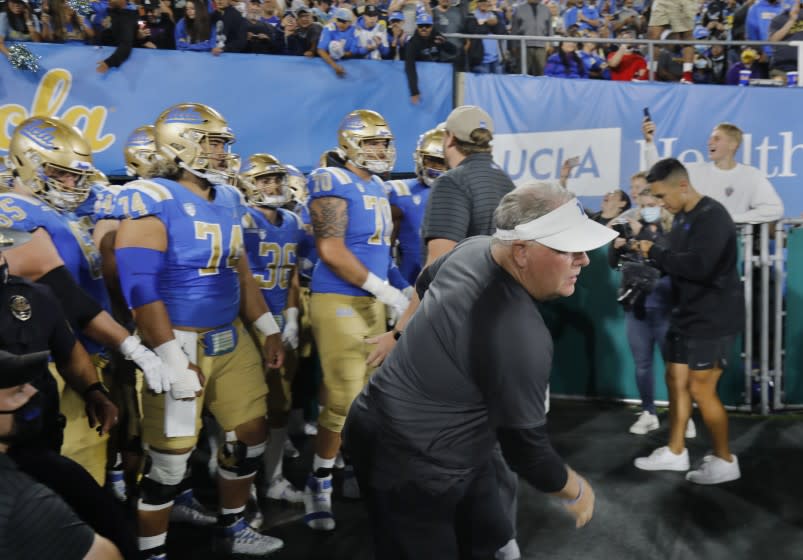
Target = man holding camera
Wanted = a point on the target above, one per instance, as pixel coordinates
(708, 302)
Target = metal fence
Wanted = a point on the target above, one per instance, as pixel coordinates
(651, 45)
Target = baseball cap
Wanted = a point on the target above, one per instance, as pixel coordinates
(371, 10)
(10, 238)
(20, 369)
(423, 19)
(344, 14)
(396, 16)
(566, 228)
(302, 10)
(464, 120)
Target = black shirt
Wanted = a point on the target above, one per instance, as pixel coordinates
(123, 34)
(707, 293)
(35, 522)
(463, 200)
(424, 49)
(46, 329)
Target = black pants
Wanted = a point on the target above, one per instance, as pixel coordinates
(94, 505)
(464, 520)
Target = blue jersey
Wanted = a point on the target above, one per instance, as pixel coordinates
(99, 205)
(369, 228)
(71, 238)
(307, 252)
(410, 196)
(198, 284)
(272, 251)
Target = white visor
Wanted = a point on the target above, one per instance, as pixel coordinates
(566, 228)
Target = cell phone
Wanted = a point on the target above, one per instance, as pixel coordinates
(647, 114)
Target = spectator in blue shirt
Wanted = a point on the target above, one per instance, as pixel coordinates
(585, 16)
(339, 41)
(759, 17)
(565, 63)
(193, 31)
(485, 57)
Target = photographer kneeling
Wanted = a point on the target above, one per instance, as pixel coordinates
(646, 297)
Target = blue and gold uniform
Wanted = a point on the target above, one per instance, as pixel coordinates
(410, 196)
(200, 288)
(344, 315)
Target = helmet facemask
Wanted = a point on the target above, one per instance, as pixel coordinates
(430, 168)
(269, 189)
(63, 188)
(211, 163)
(367, 155)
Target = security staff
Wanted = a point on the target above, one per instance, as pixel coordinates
(32, 320)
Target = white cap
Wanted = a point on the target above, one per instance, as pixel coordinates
(566, 228)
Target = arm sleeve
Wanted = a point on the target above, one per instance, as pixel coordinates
(650, 154)
(409, 67)
(395, 277)
(44, 526)
(448, 47)
(531, 455)
(448, 212)
(236, 36)
(125, 42)
(698, 262)
(765, 204)
(79, 306)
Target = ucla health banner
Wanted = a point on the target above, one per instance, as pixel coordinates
(542, 121)
(286, 105)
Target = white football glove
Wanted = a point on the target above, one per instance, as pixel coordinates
(184, 383)
(153, 368)
(386, 293)
(290, 331)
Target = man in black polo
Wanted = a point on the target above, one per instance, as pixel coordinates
(470, 372)
(34, 521)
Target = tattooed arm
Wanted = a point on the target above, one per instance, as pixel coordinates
(330, 221)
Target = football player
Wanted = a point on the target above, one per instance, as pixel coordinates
(408, 201)
(6, 175)
(179, 257)
(352, 223)
(272, 236)
(52, 164)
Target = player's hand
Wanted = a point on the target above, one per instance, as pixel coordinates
(273, 351)
(583, 509)
(155, 371)
(648, 129)
(384, 344)
(187, 384)
(101, 412)
(102, 67)
(290, 331)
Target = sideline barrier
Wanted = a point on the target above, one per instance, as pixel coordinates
(290, 106)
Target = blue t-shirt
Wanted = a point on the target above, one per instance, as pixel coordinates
(337, 42)
(198, 284)
(272, 253)
(410, 196)
(370, 225)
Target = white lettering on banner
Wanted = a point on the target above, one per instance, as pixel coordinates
(50, 96)
(538, 156)
(775, 159)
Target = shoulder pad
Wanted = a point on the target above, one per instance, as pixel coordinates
(141, 198)
(399, 187)
(327, 181)
(23, 213)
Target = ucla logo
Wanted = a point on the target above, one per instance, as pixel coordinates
(49, 101)
(353, 123)
(40, 133)
(140, 139)
(184, 115)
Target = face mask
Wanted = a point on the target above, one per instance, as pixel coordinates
(651, 214)
(28, 421)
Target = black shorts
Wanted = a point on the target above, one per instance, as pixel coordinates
(699, 353)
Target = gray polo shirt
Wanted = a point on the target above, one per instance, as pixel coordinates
(475, 357)
(463, 200)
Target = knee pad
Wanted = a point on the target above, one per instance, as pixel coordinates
(237, 460)
(160, 485)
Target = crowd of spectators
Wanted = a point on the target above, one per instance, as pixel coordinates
(336, 30)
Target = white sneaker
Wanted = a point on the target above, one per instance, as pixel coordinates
(310, 429)
(253, 512)
(339, 462)
(351, 488)
(714, 470)
(318, 503)
(646, 422)
(662, 459)
(115, 483)
(242, 539)
(190, 510)
(282, 489)
(290, 450)
(508, 552)
(691, 429)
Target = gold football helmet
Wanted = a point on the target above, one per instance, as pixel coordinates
(6, 175)
(361, 126)
(187, 133)
(429, 147)
(53, 160)
(264, 182)
(297, 184)
(140, 151)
